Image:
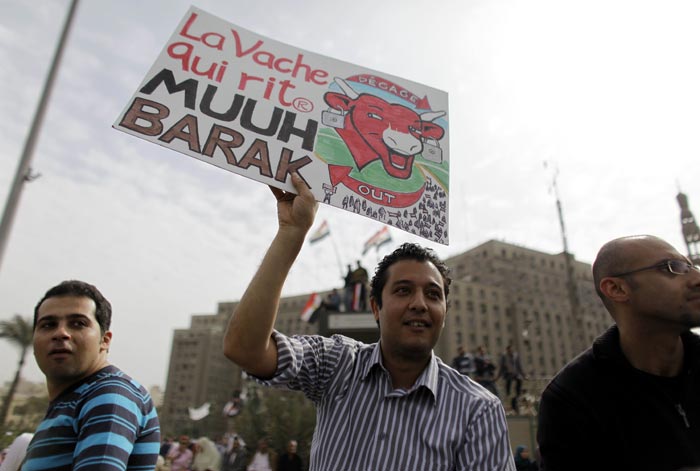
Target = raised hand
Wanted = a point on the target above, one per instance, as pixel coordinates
(295, 211)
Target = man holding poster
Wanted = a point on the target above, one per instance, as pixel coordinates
(392, 405)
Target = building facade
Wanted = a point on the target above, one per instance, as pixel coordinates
(501, 294)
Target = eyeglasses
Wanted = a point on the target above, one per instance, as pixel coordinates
(677, 267)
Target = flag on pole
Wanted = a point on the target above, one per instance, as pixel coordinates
(311, 308)
(320, 233)
(200, 412)
(377, 240)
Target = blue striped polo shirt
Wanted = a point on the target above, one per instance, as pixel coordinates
(104, 422)
(445, 421)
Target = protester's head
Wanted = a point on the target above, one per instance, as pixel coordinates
(408, 295)
(70, 341)
(522, 454)
(236, 443)
(79, 289)
(262, 445)
(206, 454)
(642, 278)
(184, 441)
(292, 447)
(406, 251)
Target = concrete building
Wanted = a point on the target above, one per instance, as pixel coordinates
(505, 294)
(199, 373)
(501, 294)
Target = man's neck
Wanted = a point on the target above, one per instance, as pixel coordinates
(656, 353)
(56, 388)
(404, 371)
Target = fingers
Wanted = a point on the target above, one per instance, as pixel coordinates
(300, 185)
(276, 191)
(281, 195)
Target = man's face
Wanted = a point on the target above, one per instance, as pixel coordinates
(413, 309)
(659, 296)
(68, 344)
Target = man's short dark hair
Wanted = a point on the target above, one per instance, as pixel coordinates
(76, 288)
(407, 251)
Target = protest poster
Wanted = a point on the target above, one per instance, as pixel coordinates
(364, 141)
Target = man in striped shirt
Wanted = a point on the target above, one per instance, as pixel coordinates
(98, 417)
(388, 406)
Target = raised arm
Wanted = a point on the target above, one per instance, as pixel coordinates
(248, 340)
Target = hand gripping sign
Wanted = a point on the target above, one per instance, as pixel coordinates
(364, 141)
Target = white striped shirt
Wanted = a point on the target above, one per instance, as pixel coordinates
(445, 421)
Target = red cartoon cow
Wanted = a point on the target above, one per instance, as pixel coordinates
(373, 129)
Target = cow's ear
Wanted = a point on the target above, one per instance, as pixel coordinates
(337, 101)
(433, 130)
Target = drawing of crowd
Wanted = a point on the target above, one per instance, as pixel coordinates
(427, 219)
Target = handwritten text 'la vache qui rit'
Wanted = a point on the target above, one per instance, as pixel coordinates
(146, 116)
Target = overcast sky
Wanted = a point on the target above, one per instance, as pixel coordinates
(608, 90)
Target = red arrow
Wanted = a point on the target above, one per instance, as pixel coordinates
(423, 104)
(339, 174)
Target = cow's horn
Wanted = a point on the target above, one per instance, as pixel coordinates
(347, 89)
(431, 115)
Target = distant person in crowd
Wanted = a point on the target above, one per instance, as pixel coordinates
(485, 370)
(523, 461)
(511, 370)
(290, 461)
(360, 278)
(165, 446)
(161, 464)
(349, 290)
(236, 458)
(373, 401)
(464, 362)
(207, 456)
(332, 301)
(15, 453)
(180, 455)
(98, 417)
(633, 398)
(264, 459)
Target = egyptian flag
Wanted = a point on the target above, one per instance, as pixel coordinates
(321, 233)
(377, 240)
(312, 308)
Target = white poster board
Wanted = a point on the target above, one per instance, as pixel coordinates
(364, 141)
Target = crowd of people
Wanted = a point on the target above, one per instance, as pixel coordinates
(479, 366)
(229, 453)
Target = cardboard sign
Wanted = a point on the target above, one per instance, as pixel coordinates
(364, 141)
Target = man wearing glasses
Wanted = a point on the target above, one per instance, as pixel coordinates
(632, 400)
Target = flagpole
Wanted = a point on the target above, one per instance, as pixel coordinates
(24, 170)
(337, 257)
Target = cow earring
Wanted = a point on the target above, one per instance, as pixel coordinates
(333, 118)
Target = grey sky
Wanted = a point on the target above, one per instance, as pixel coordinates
(607, 89)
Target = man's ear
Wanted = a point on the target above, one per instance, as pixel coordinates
(106, 341)
(615, 289)
(375, 309)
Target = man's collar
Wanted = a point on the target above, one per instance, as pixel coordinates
(427, 379)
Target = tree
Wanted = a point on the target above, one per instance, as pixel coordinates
(17, 331)
(279, 415)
